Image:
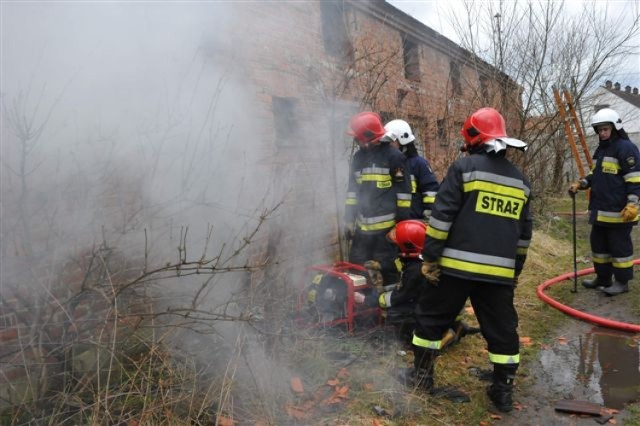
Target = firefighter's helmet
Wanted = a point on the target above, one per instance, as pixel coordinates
(399, 130)
(366, 128)
(409, 235)
(606, 115)
(486, 127)
(483, 125)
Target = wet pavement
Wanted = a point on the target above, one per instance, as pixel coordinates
(599, 365)
(595, 365)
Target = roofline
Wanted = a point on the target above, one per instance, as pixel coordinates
(399, 20)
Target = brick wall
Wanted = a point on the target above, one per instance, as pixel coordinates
(303, 95)
(287, 58)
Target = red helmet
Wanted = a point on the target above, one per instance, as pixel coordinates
(366, 128)
(409, 235)
(482, 126)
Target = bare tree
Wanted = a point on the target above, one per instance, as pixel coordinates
(539, 44)
(99, 316)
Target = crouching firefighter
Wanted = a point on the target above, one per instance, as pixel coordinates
(476, 246)
(399, 302)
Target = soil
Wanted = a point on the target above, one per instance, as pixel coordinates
(584, 363)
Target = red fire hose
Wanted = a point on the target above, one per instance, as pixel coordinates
(604, 322)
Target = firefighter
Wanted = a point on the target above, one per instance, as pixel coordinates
(400, 302)
(476, 246)
(424, 184)
(378, 196)
(615, 189)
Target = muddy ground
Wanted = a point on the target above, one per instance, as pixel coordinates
(578, 361)
(586, 363)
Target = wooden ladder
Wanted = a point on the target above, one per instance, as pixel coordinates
(573, 129)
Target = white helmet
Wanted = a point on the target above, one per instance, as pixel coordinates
(606, 115)
(399, 130)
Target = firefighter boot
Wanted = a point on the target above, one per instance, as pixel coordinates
(421, 375)
(618, 287)
(597, 282)
(501, 390)
(424, 366)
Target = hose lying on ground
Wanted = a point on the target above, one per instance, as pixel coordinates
(604, 322)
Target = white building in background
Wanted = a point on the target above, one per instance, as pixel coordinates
(626, 102)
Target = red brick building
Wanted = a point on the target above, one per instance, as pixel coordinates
(306, 67)
(311, 65)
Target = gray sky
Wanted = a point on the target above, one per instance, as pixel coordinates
(435, 14)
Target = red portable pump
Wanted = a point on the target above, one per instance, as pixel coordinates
(329, 293)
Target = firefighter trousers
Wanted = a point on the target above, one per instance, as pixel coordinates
(493, 305)
(375, 246)
(612, 252)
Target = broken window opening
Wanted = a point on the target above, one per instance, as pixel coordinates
(284, 121)
(334, 30)
(454, 76)
(411, 57)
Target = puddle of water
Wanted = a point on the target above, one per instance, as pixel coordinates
(601, 366)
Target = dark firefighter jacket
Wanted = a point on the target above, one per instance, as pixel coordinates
(407, 291)
(379, 194)
(614, 181)
(481, 226)
(424, 186)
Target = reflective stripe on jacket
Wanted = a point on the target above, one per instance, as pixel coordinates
(481, 226)
(424, 186)
(379, 193)
(614, 181)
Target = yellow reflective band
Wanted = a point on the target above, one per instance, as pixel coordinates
(509, 191)
(428, 199)
(522, 251)
(376, 178)
(428, 344)
(404, 203)
(311, 296)
(381, 301)
(601, 260)
(351, 202)
(414, 186)
(317, 278)
(622, 265)
(609, 219)
(634, 179)
(499, 205)
(608, 167)
(398, 264)
(437, 234)
(383, 185)
(461, 265)
(378, 226)
(504, 359)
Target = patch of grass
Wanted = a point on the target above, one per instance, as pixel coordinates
(371, 376)
(634, 415)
